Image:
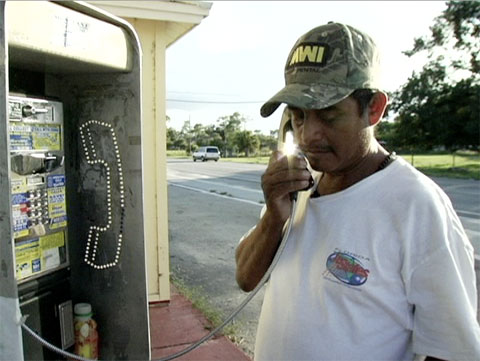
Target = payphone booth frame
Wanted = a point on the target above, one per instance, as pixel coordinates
(96, 95)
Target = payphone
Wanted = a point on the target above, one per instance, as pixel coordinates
(37, 186)
(39, 216)
(71, 201)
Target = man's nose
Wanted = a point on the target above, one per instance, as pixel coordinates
(313, 129)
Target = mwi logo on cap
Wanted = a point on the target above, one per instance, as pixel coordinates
(308, 54)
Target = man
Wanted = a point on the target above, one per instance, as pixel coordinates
(377, 265)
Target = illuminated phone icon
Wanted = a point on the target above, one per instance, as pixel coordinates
(97, 233)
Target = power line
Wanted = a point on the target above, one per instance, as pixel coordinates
(215, 101)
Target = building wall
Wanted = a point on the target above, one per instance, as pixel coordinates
(151, 34)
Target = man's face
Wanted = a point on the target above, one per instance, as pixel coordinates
(334, 139)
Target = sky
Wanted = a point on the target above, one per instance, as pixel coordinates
(233, 60)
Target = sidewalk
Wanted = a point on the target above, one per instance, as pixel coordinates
(177, 325)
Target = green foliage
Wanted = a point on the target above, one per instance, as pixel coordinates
(385, 132)
(174, 139)
(227, 135)
(228, 127)
(246, 142)
(456, 32)
(199, 299)
(268, 143)
(464, 165)
(439, 106)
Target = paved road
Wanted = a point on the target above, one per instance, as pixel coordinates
(206, 220)
(242, 182)
(211, 205)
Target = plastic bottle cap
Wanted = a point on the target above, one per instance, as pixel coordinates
(83, 309)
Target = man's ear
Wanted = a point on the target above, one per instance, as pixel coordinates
(377, 107)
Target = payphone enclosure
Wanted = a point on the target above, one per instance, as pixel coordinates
(71, 210)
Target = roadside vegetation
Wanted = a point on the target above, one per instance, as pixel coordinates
(433, 120)
(464, 165)
(199, 299)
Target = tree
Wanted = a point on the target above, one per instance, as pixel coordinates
(457, 28)
(187, 134)
(385, 133)
(175, 139)
(214, 137)
(439, 106)
(227, 136)
(228, 126)
(268, 143)
(415, 104)
(199, 136)
(246, 142)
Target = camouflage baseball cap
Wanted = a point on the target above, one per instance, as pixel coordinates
(325, 66)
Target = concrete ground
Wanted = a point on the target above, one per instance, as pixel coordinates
(176, 325)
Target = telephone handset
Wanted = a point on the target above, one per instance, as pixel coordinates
(35, 163)
(286, 143)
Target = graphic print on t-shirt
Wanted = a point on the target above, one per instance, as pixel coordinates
(347, 268)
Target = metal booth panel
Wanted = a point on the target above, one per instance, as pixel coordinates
(103, 172)
(10, 332)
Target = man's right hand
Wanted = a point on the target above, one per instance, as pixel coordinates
(254, 254)
(283, 176)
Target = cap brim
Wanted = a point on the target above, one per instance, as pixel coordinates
(303, 96)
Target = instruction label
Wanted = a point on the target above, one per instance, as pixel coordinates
(38, 254)
(20, 207)
(46, 137)
(21, 137)
(35, 136)
(57, 208)
(28, 258)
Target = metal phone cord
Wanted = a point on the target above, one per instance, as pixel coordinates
(242, 305)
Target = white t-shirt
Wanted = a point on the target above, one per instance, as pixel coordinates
(382, 270)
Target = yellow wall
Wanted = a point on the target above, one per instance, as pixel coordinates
(152, 39)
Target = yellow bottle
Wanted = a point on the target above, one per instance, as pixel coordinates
(86, 334)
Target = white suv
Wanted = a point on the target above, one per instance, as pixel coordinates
(206, 153)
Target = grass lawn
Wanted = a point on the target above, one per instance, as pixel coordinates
(177, 154)
(461, 165)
